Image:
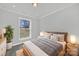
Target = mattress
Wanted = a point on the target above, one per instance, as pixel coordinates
(43, 47)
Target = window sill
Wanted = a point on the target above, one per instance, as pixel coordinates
(26, 38)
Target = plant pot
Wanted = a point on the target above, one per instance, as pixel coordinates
(9, 45)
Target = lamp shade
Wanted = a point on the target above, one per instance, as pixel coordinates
(42, 33)
(73, 39)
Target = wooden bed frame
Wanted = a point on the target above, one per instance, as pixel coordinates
(65, 37)
(26, 51)
(64, 33)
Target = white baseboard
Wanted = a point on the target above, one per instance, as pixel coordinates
(17, 44)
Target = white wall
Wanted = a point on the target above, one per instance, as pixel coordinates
(65, 20)
(10, 18)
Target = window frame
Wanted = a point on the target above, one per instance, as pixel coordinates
(30, 27)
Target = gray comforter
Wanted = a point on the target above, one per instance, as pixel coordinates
(51, 47)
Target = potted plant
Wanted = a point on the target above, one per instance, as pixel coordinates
(9, 36)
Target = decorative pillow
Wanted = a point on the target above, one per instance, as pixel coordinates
(54, 37)
(58, 37)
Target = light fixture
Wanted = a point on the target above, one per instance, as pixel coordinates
(35, 3)
(42, 33)
(73, 39)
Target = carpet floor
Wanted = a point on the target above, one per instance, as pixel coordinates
(12, 51)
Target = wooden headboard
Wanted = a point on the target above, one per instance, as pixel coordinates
(65, 37)
(64, 33)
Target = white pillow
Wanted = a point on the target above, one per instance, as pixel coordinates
(40, 37)
(61, 38)
(46, 35)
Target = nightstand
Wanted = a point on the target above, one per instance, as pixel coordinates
(72, 49)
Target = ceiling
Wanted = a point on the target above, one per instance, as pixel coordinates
(26, 9)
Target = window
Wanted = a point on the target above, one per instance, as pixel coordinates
(25, 28)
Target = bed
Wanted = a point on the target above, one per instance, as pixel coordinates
(46, 46)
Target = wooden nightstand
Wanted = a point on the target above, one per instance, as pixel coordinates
(72, 49)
